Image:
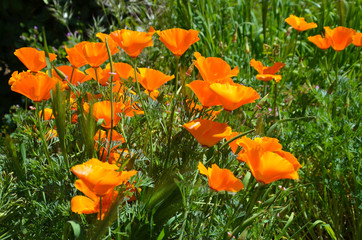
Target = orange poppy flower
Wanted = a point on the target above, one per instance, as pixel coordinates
(178, 40)
(207, 132)
(14, 77)
(103, 75)
(154, 94)
(75, 55)
(152, 79)
(95, 53)
(105, 138)
(75, 77)
(133, 42)
(101, 177)
(299, 23)
(203, 92)
(32, 58)
(113, 46)
(213, 69)
(50, 134)
(90, 204)
(123, 70)
(48, 114)
(233, 96)
(102, 110)
(266, 159)
(321, 42)
(34, 86)
(267, 73)
(132, 109)
(221, 179)
(357, 39)
(340, 37)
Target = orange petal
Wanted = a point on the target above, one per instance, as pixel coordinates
(203, 92)
(81, 204)
(178, 40)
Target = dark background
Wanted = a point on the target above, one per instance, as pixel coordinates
(17, 21)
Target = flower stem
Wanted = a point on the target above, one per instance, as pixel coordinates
(42, 136)
(111, 93)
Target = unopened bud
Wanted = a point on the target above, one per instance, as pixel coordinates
(235, 36)
(247, 49)
(190, 69)
(289, 31)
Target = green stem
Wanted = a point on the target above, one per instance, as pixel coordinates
(42, 136)
(212, 215)
(174, 103)
(111, 93)
(295, 46)
(275, 101)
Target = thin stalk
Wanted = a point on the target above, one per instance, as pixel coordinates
(100, 208)
(330, 89)
(212, 215)
(275, 101)
(295, 46)
(145, 109)
(42, 137)
(111, 93)
(174, 102)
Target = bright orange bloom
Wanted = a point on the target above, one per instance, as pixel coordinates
(75, 55)
(34, 86)
(203, 92)
(178, 40)
(132, 109)
(233, 96)
(102, 110)
(357, 39)
(14, 77)
(213, 69)
(299, 23)
(321, 42)
(33, 59)
(154, 94)
(90, 204)
(207, 132)
(267, 73)
(105, 138)
(340, 37)
(48, 114)
(221, 179)
(113, 46)
(123, 70)
(133, 42)
(103, 75)
(75, 77)
(95, 53)
(152, 79)
(266, 159)
(101, 177)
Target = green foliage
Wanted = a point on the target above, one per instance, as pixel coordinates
(318, 123)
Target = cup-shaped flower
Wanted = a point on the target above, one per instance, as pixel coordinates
(178, 40)
(203, 92)
(105, 137)
(101, 177)
(32, 58)
(75, 55)
(357, 39)
(95, 53)
(207, 132)
(132, 109)
(102, 110)
(221, 179)
(113, 46)
(267, 73)
(266, 159)
(233, 96)
(47, 115)
(133, 42)
(152, 79)
(340, 37)
(34, 86)
(102, 75)
(90, 204)
(299, 23)
(213, 69)
(124, 70)
(320, 42)
(73, 75)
